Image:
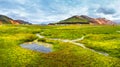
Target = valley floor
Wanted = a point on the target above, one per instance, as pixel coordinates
(72, 46)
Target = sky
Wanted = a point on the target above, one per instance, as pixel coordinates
(48, 11)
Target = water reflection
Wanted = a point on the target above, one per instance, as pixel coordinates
(36, 47)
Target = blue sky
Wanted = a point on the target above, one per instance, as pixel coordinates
(46, 11)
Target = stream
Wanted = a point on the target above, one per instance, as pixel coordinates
(41, 48)
(75, 42)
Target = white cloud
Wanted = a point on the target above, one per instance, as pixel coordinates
(20, 1)
(37, 12)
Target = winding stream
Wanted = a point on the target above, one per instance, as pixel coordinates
(74, 42)
(42, 48)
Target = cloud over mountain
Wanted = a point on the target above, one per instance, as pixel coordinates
(106, 10)
(39, 11)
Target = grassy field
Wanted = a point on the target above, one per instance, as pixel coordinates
(100, 38)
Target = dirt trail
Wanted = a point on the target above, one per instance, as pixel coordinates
(74, 42)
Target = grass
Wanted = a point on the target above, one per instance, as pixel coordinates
(75, 19)
(101, 38)
(109, 43)
(76, 31)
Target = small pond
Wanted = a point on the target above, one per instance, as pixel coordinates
(37, 47)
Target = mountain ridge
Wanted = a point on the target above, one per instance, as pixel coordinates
(83, 19)
(7, 20)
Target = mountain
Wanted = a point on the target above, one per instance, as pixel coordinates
(102, 21)
(6, 20)
(83, 19)
(22, 22)
(75, 20)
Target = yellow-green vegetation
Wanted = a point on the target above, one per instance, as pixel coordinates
(109, 43)
(65, 54)
(75, 20)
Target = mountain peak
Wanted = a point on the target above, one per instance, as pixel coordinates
(77, 16)
(83, 19)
